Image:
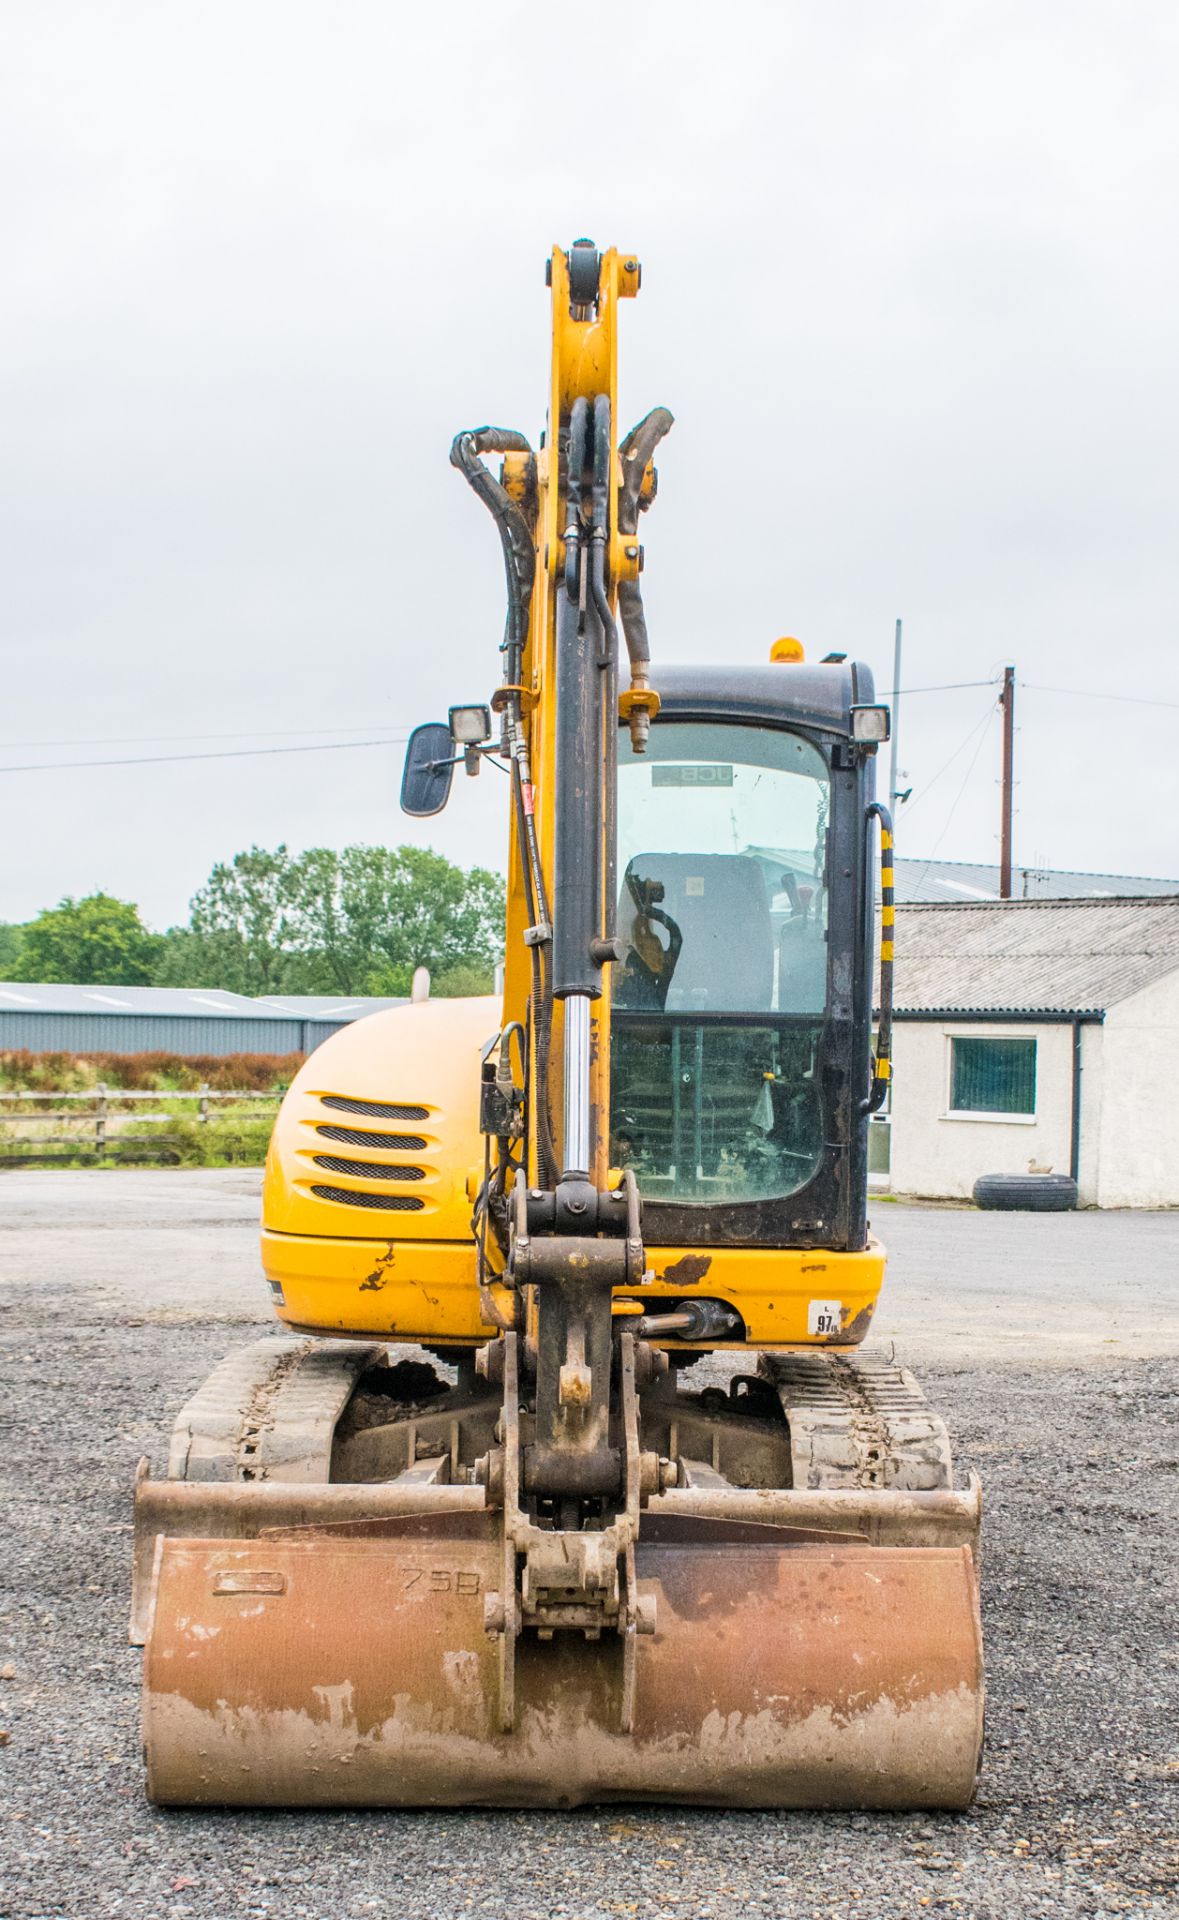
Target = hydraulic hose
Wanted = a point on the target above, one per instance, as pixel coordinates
(635, 455)
(608, 656)
(512, 523)
(539, 952)
(600, 493)
(634, 627)
(578, 438)
(600, 527)
(519, 563)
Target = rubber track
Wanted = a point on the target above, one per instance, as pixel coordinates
(269, 1411)
(859, 1422)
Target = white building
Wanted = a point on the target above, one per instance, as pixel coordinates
(1038, 1036)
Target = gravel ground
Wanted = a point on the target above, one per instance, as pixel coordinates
(119, 1293)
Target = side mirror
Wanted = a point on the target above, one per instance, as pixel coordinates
(429, 769)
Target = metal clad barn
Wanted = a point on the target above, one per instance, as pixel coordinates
(934, 882)
(180, 1020)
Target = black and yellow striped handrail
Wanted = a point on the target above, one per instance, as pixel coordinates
(882, 1066)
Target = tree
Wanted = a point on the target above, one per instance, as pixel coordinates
(351, 921)
(97, 941)
(365, 917)
(11, 940)
(457, 983)
(188, 959)
(240, 923)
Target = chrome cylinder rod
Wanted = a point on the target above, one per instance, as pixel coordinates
(577, 1083)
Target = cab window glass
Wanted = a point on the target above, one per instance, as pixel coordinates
(719, 1000)
(722, 844)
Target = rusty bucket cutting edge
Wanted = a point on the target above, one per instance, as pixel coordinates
(357, 1672)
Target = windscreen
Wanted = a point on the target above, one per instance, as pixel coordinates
(720, 996)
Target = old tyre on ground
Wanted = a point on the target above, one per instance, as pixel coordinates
(1026, 1192)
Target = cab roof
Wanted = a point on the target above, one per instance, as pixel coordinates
(820, 695)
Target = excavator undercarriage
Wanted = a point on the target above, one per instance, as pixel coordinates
(646, 1525)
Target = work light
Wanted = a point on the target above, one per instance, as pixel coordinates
(870, 724)
(469, 726)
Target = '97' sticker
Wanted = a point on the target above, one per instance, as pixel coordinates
(824, 1316)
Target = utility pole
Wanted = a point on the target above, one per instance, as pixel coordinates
(1007, 708)
(896, 725)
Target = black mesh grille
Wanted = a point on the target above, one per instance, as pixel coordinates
(359, 1137)
(368, 1169)
(374, 1109)
(391, 1202)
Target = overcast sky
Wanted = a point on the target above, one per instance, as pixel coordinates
(909, 286)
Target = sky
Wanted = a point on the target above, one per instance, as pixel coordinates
(909, 286)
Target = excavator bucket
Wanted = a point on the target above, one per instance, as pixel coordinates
(351, 1666)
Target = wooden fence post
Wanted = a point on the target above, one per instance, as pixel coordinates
(100, 1119)
(203, 1109)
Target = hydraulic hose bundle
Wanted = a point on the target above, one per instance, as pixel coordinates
(516, 537)
(568, 950)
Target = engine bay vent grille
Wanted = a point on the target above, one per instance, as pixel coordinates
(359, 1137)
(373, 1109)
(390, 1202)
(367, 1169)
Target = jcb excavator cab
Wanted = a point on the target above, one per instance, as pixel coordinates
(560, 1571)
(740, 1021)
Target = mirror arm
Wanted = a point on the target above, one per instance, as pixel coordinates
(460, 759)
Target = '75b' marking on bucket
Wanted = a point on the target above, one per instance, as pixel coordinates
(443, 1580)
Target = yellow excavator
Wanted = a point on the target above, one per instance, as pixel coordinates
(636, 1521)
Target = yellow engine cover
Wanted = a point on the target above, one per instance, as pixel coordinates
(371, 1178)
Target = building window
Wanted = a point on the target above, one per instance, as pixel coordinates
(992, 1076)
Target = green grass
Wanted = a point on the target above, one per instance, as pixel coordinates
(234, 1139)
(236, 1136)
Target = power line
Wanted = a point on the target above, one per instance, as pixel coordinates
(130, 739)
(965, 781)
(1034, 686)
(978, 727)
(281, 733)
(330, 746)
(982, 735)
(231, 753)
(950, 686)
(1087, 693)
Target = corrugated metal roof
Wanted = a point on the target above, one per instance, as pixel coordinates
(34, 996)
(49, 1018)
(1064, 956)
(954, 880)
(326, 1006)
